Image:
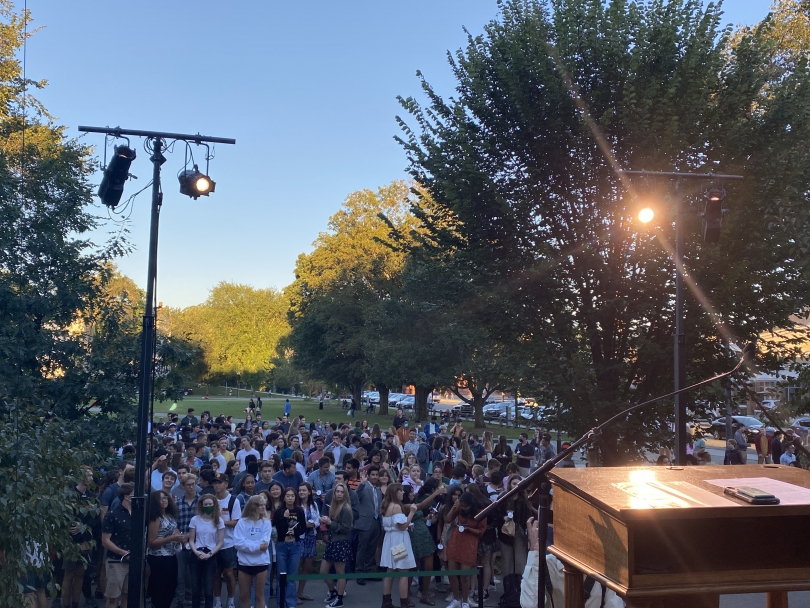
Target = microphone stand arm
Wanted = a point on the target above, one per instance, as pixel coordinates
(541, 481)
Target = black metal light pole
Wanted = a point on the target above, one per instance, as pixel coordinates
(146, 380)
(680, 331)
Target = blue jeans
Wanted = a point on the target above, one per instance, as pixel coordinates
(288, 555)
(183, 580)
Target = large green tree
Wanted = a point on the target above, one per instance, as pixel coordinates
(339, 285)
(550, 101)
(238, 328)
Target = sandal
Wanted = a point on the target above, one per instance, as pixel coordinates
(427, 601)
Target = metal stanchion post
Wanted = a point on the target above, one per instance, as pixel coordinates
(480, 587)
(282, 589)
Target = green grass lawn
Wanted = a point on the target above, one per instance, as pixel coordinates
(233, 406)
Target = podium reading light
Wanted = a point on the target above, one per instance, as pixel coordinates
(713, 214)
(195, 184)
(116, 173)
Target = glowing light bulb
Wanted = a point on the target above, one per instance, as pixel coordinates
(646, 215)
(203, 184)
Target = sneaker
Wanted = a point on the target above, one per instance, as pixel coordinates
(496, 580)
(217, 602)
(449, 598)
(332, 595)
(230, 603)
(465, 606)
(456, 604)
(335, 603)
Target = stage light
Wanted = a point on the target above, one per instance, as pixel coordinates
(646, 215)
(116, 173)
(713, 214)
(195, 184)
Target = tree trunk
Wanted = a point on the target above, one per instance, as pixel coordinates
(357, 393)
(384, 392)
(478, 408)
(420, 406)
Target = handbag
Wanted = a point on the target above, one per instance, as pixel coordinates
(508, 527)
(399, 552)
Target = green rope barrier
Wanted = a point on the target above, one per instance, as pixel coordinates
(398, 574)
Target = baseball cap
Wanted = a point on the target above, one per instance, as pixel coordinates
(219, 477)
(365, 436)
(422, 436)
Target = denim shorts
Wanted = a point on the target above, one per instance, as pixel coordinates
(226, 558)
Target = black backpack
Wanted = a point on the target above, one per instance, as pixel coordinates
(511, 591)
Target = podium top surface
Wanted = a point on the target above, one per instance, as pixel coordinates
(684, 492)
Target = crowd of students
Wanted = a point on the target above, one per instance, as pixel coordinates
(238, 504)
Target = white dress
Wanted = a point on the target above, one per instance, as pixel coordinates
(393, 537)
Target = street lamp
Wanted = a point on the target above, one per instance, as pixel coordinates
(646, 215)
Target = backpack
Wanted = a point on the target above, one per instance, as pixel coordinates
(511, 591)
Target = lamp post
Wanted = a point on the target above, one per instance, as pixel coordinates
(646, 215)
(158, 141)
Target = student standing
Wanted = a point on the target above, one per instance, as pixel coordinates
(206, 535)
(339, 522)
(397, 553)
(162, 537)
(251, 537)
(290, 522)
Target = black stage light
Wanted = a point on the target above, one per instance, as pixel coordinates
(713, 214)
(195, 184)
(116, 173)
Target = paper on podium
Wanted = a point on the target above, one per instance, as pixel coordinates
(669, 495)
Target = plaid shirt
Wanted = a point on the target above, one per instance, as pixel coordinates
(185, 513)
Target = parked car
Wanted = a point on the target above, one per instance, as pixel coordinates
(493, 411)
(752, 427)
(801, 426)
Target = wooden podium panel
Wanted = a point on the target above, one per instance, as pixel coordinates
(657, 532)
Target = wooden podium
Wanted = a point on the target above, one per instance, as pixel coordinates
(665, 537)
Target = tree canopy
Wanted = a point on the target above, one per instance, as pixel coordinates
(550, 101)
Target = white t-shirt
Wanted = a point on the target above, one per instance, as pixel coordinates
(223, 515)
(205, 533)
(244, 454)
(157, 480)
(269, 450)
(221, 460)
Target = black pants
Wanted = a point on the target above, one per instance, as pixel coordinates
(202, 580)
(162, 579)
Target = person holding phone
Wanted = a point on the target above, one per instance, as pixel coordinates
(339, 522)
(206, 535)
(162, 538)
(290, 522)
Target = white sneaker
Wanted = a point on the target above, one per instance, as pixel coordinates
(455, 604)
(217, 602)
(449, 598)
(230, 603)
(465, 606)
(496, 580)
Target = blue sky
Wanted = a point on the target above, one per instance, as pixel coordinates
(308, 89)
